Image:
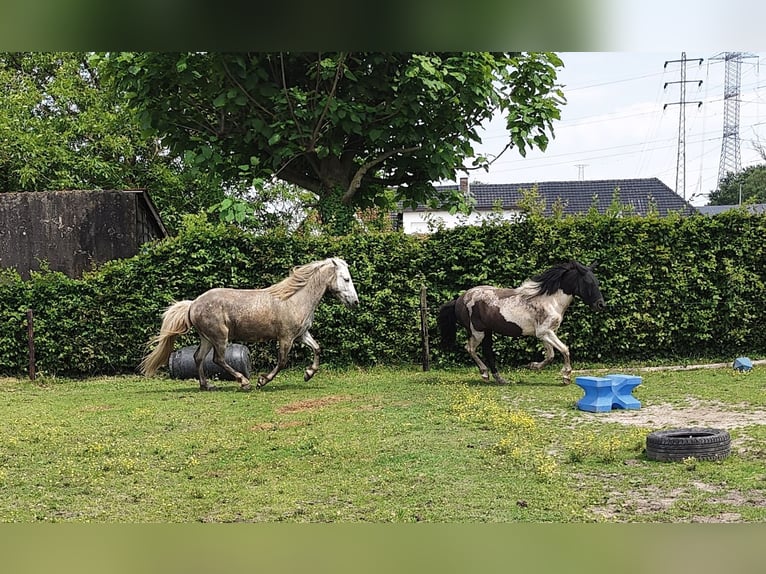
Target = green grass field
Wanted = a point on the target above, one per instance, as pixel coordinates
(378, 445)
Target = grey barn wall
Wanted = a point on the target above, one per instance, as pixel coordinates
(73, 230)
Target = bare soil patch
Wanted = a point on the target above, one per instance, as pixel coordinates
(695, 413)
(311, 404)
(648, 500)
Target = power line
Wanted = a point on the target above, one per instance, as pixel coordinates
(730, 149)
(682, 103)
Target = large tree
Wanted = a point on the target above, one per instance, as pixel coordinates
(749, 185)
(63, 127)
(346, 126)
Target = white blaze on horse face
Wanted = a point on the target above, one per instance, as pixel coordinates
(344, 285)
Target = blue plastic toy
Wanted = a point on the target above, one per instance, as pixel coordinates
(742, 364)
(603, 393)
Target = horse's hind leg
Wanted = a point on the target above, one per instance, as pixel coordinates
(219, 358)
(489, 356)
(308, 340)
(475, 338)
(199, 361)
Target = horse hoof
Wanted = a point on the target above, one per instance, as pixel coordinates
(247, 387)
(307, 375)
(262, 380)
(208, 388)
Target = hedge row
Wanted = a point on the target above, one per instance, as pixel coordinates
(676, 288)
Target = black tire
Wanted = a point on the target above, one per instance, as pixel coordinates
(678, 444)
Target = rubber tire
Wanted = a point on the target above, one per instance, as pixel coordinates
(678, 444)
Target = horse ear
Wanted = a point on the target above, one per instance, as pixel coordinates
(593, 265)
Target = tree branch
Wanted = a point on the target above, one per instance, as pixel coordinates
(330, 96)
(287, 95)
(243, 90)
(356, 181)
(297, 177)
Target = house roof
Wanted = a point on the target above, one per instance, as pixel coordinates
(579, 196)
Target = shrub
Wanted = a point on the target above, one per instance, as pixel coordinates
(676, 288)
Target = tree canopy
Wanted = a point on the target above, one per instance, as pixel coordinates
(346, 126)
(62, 126)
(748, 185)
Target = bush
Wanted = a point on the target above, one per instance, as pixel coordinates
(676, 288)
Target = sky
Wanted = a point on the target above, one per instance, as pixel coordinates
(621, 121)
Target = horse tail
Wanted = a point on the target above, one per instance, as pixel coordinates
(175, 321)
(447, 323)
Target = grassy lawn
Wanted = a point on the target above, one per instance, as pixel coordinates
(378, 445)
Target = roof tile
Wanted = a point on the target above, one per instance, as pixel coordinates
(578, 196)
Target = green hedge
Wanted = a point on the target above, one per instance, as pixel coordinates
(676, 288)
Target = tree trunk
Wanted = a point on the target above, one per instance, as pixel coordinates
(336, 217)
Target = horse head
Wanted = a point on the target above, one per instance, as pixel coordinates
(586, 286)
(341, 285)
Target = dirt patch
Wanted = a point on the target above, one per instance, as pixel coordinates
(312, 404)
(694, 413)
(648, 500)
(645, 501)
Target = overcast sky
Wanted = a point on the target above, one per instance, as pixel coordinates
(616, 123)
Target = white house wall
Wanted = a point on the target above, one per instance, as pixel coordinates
(426, 222)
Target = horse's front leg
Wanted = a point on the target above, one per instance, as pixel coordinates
(546, 361)
(309, 341)
(284, 351)
(550, 338)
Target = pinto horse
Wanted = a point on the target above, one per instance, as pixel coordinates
(536, 308)
(282, 312)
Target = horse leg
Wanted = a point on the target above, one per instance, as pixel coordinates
(474, 340)
(308, 340)
(550, 338)
(545, 362)
(284, 350)
(199, 361)
(489, 356)
(219, 358)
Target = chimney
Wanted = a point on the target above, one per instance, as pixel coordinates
(464, 187)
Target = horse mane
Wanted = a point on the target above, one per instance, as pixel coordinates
(299, 277)
(550, 281)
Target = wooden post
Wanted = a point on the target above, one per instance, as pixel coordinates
(31, 342)
(424, 327)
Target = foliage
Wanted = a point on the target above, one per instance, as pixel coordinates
(62, 126)
(746, 186)
(677, 288)
(345, 126)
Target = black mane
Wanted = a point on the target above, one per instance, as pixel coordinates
(556, 278)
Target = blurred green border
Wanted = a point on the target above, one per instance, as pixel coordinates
(337, 549)
(551, 25)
